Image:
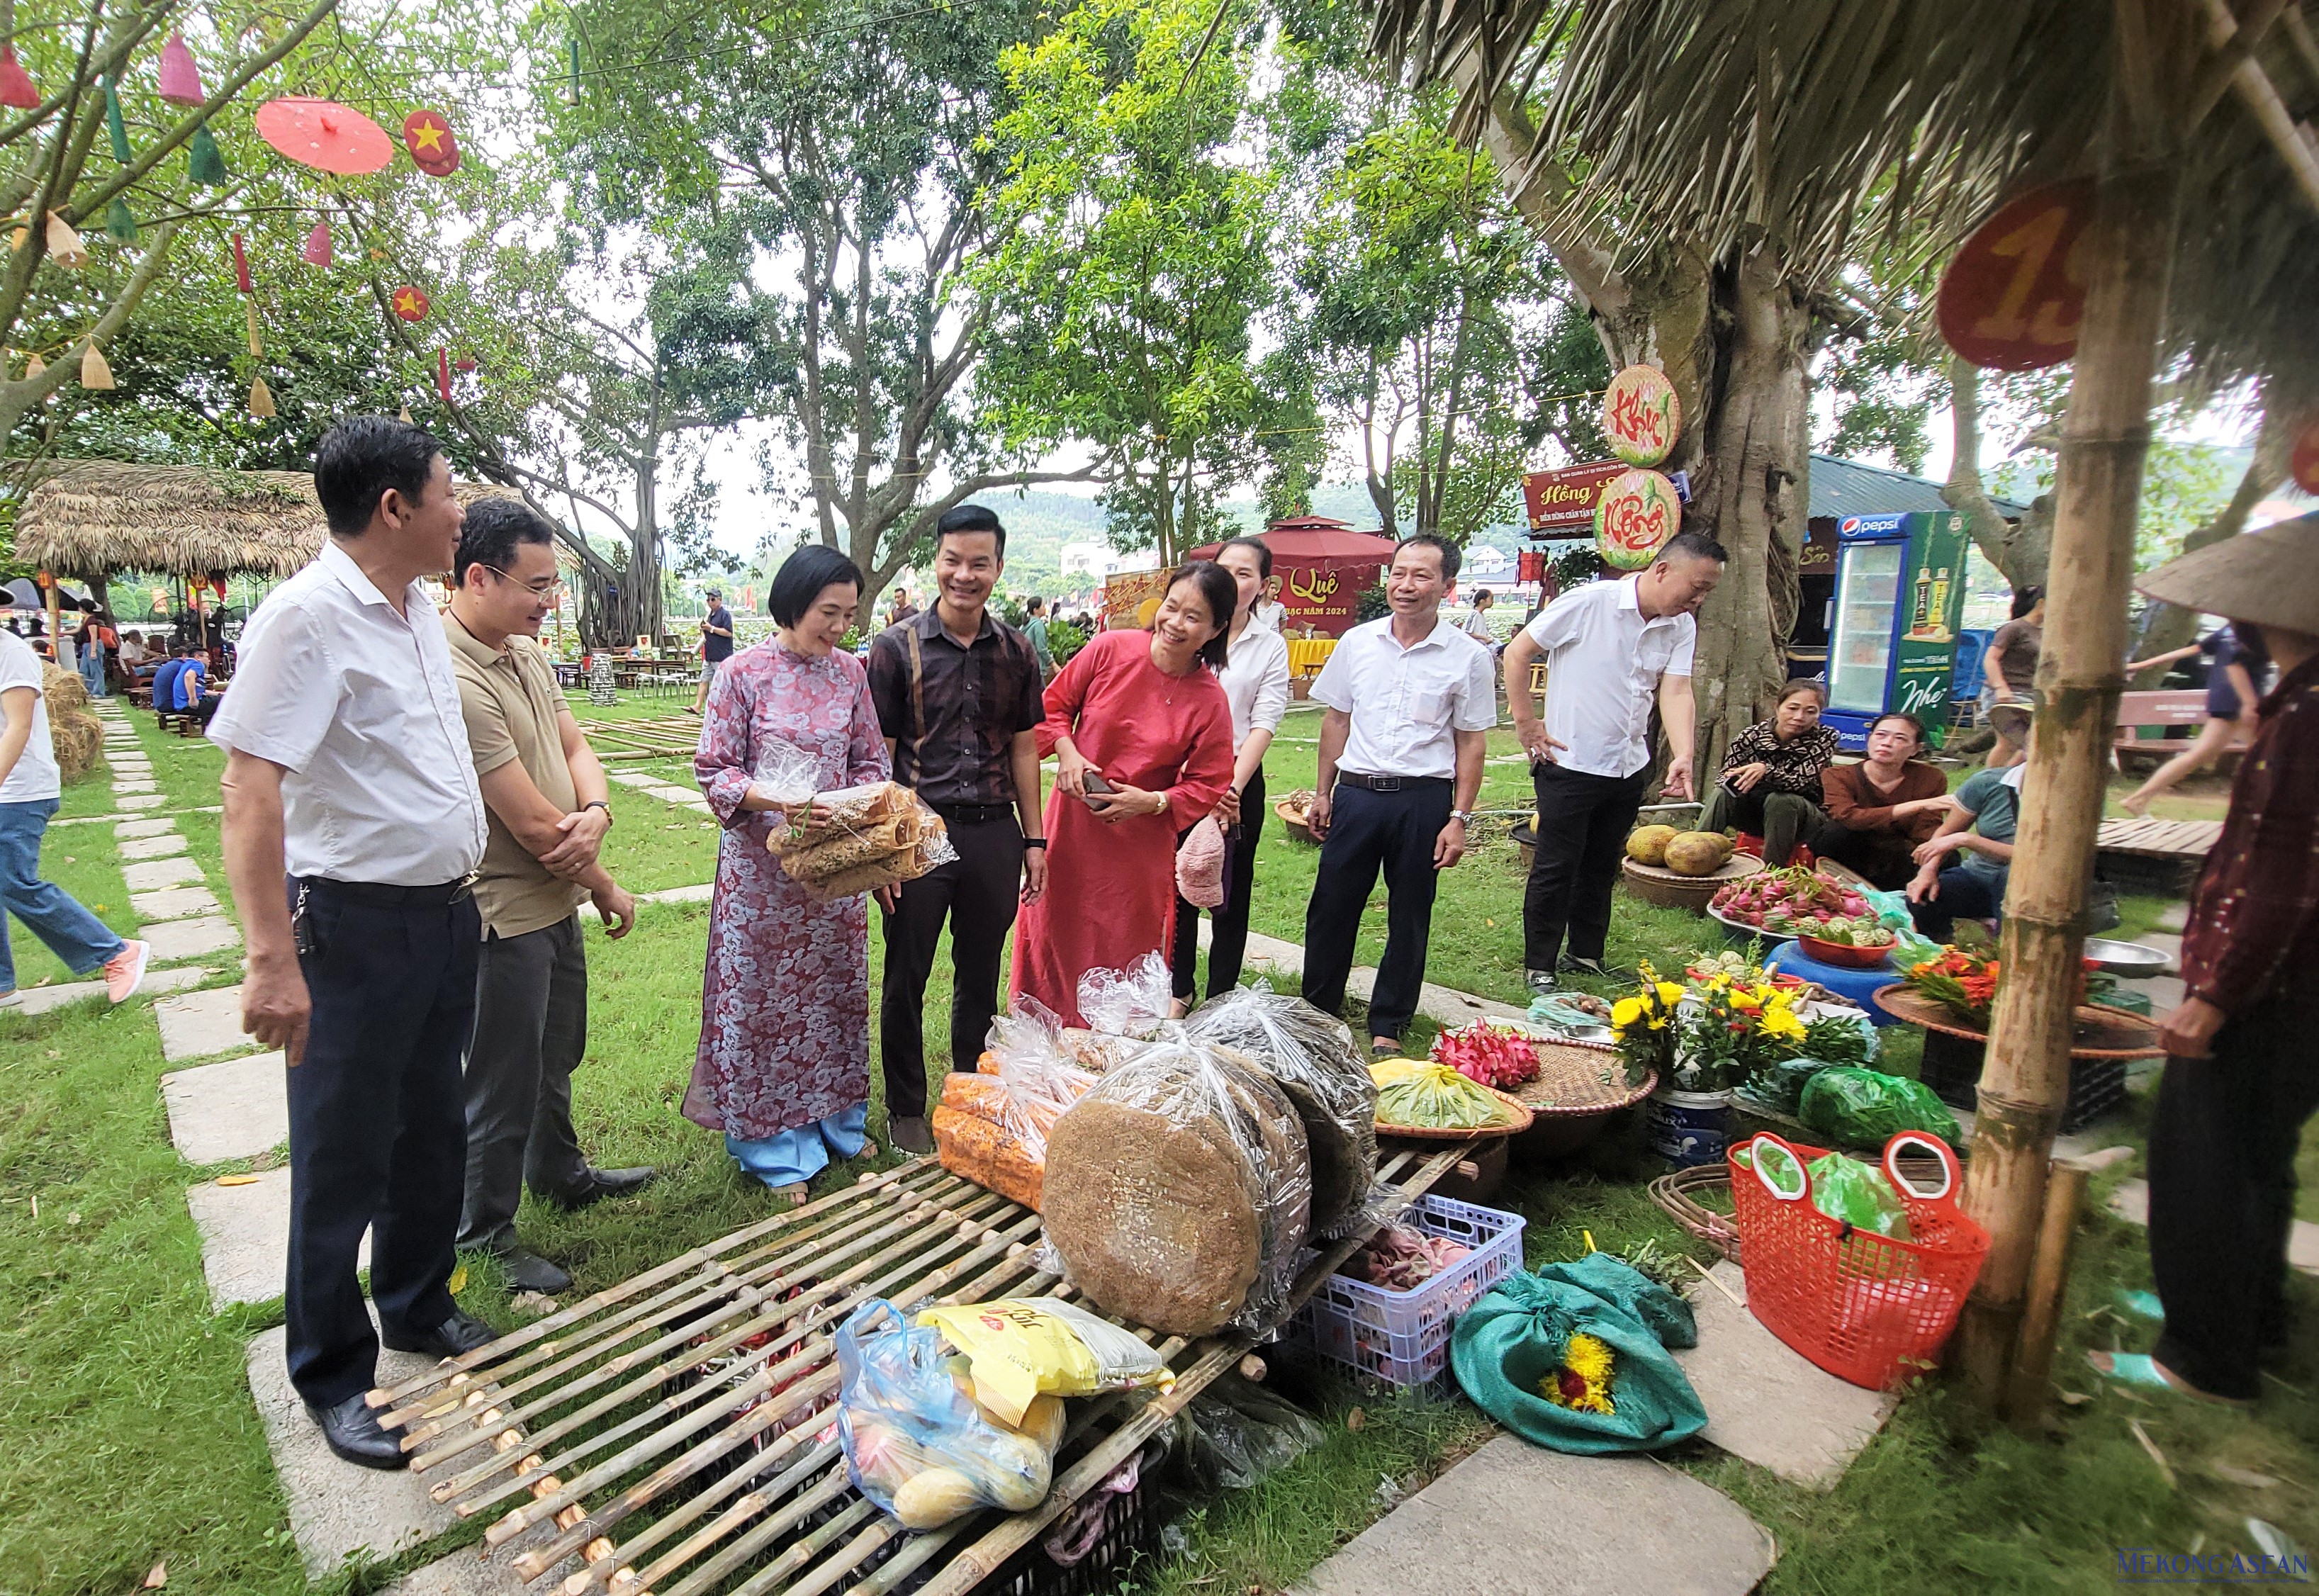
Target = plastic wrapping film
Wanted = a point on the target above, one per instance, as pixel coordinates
(856, 839)
(915, 1443)
(1312, 1056)
(1131, 1002)
(785, 773)
(1179, 1190)
(991, 1126)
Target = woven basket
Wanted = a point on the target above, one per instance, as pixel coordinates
(1293, 822)
(1654, 884)
(1576, 1079)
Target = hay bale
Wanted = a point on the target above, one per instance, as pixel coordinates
(77, 734)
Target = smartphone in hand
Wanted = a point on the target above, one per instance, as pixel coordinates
(1096, 787)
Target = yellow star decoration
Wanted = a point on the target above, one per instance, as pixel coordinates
(427, 136)
(406, 304)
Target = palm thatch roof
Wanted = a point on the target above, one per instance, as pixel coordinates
(92, 517)
(1721, 124)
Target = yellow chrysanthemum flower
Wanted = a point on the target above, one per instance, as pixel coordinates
(1669, 993)
(1625, 1011)
(1582, 1382)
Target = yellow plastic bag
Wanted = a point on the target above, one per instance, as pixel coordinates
(1021, 1346)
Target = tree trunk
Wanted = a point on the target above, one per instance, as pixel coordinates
(2105, 439)
(2021, 550)
(2171, 626)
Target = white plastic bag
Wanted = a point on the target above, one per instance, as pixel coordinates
(1131, 1002)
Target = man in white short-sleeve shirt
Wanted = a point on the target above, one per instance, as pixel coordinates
(1612, 651)
(348, 772)
(1411, 702)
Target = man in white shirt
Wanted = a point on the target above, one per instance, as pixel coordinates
(30, 789)
(348, 772)
(1411, 702)
(1613, 649)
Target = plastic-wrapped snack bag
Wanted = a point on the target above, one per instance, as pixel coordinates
(1131, 1002)
(1179, 1190)
(1021, 1348)
(916, 1442)
(1312, 1056)
(857, 839)
(785, 773)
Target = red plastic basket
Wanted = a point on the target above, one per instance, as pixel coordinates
(1865, 1307)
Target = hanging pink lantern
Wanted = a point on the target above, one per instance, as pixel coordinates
(17, 90)
(181, 79)
(241, 267)
(318, 245)
(443, 374)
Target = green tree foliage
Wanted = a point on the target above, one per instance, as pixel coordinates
(1134, 235)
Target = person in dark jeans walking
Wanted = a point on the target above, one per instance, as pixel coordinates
(1411, 702)
(715, 645)
(1255, 678)
(1613, 651)
(550, 807)
(353, 828)
(958, 692)
(2240, 1083)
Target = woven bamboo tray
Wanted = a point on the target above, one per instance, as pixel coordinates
(2108, 1032)
(1665, 888)
(1576, 1079)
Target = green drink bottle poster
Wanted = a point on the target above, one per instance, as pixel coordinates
(1932, 603)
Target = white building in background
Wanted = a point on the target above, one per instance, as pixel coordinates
(1096, 560)
(1484, 564)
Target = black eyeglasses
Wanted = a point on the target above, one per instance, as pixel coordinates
(547, 587)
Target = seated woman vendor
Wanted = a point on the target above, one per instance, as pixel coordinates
(1770, 780)
(1979, 829)
(1884, 807)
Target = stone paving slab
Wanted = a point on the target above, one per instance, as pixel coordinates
(1768, 1403)
(173, 903)
(148, 874)
(123, 784)
(40, 1000)
(1515, 1520)
(701, 893)
(484, 1571)
(142, 801)
(245, 1237)
(1284, 962)
(2131, 1202)
(235, 1109)
(173, 940)
(202, 1024)
(129, 830)
(2174, 917)
(161, 845)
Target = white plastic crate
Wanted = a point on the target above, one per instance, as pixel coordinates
(1401, 1337)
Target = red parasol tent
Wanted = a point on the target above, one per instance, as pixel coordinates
(1323, 564)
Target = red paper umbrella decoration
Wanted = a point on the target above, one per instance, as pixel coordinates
(431, 143)
(325, 135)
(181, 79)
(318, 245)
(412, 303)
(443, 374)
(241, 267)
(17, 90)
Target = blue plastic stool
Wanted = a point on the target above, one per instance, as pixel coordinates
(1858, 985)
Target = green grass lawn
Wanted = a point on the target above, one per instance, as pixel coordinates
(127, 1435)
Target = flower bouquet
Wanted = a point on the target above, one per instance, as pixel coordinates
(1643, 1027)
(1966, 984)
(1733, 1028)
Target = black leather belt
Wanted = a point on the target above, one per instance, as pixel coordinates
(973, 813)
(384, 897)
(1392, 783)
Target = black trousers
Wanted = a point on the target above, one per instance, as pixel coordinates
(1228, 938)
(1582, 821)
(2222, 1193)
(977, 893)
(531, 1031)
(1369, 831)
(377, 1134)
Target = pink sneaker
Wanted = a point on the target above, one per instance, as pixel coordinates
(124, 972)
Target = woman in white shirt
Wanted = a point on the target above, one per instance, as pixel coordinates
(1255, 678)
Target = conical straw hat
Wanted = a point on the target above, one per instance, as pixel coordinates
(2269, 577)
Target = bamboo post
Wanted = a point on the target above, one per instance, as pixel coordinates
(2049, 1277)
(56, 637)
(2025, 1082)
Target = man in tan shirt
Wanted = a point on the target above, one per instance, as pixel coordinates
(548, 807)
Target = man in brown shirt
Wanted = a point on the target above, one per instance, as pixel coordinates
(547, 801)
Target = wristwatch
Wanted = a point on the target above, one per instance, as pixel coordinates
(597, 804)
(1034, 842)
(1462, 817)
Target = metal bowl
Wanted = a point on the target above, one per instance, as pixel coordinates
(2126, 959)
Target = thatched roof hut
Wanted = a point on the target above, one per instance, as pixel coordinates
(92, 517)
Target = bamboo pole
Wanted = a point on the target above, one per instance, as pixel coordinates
(2049, 1277)
(2025, 1080)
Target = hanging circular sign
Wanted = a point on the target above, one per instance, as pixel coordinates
(325, 135)
(412, 303)
(2303, 462)
(1638, 512)
(1640, 415)
(2013, 295)
(429, 139)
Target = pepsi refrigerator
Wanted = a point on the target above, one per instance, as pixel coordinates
(1892, 633)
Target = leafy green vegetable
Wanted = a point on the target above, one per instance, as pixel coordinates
(1438, 1097)
(1836, 1040)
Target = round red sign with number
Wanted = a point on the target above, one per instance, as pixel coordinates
(1640, 415)
(1638, 512)
(2013, 296)
(2302, 464)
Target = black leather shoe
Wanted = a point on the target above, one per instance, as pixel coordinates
(353, 1430)
(908, 1133)
(601, 1184)
(462, 1332)
(528, 1271)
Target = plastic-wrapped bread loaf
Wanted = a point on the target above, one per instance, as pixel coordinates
(1312, 1056)
(850, 810)
(880, 839)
